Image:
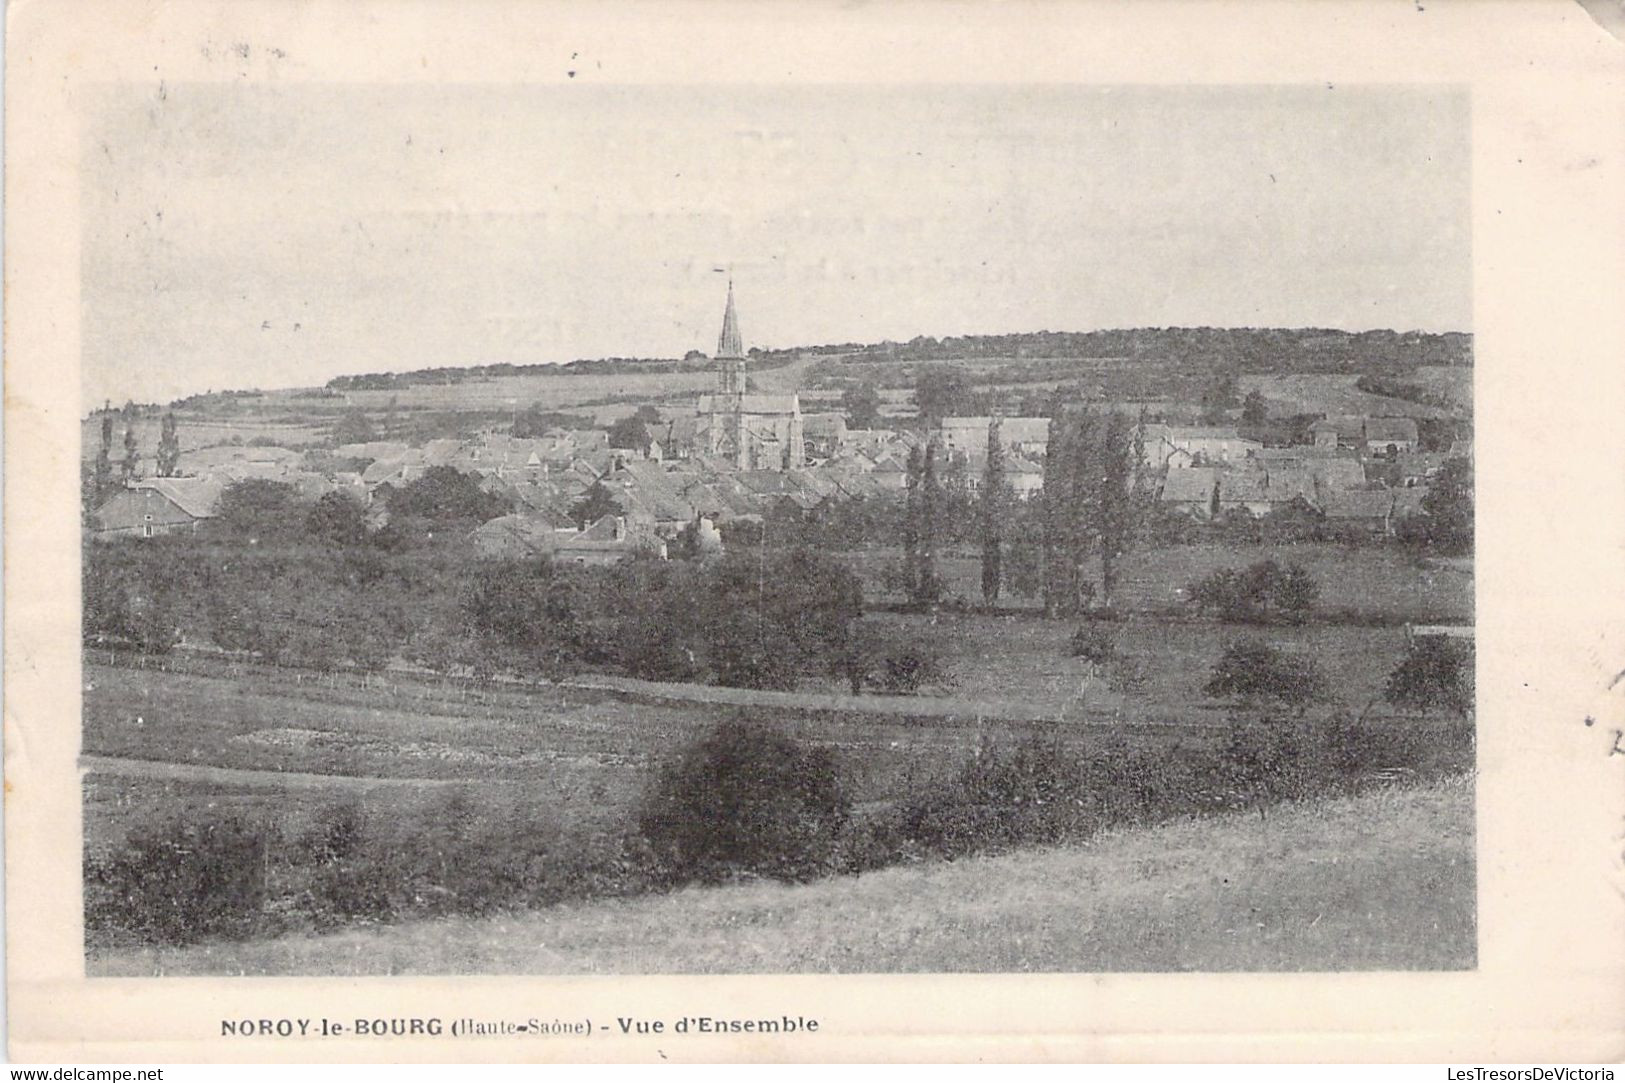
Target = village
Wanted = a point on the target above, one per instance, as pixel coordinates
(736, 455)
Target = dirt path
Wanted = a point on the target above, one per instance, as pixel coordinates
(195, 772)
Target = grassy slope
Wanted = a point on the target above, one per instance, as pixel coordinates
(1382, 881)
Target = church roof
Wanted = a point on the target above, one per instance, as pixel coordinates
(730, 346)
(751, 403)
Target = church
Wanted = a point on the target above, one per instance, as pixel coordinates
(751, 430)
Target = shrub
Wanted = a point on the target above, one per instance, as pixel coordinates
(745, 800)
(1259, 671)
(1093, 643)
(179, 882)
(341, 888)
(906, 668)
(1266, 760)
(1437, 673)
(1033, 792)
(1256, 594)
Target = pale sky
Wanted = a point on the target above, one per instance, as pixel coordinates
(275, 236)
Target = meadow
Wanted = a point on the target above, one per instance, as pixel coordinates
(1335, 393)
(1380, 881)
(1369, 584)
(580, 753)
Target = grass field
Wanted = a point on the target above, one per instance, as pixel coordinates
(1028, 660)
(1383, 881)
(1335, 393)
(585, 755)
(1371, 583)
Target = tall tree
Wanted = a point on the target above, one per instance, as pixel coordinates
(631, 433)
(104, 455)
(930, 587)
(594, 504)
(1121, 498)
(1057, 489)
(1080, 522)
(132, 455)
(993, 514)
(912, 497)
(1449, 505)
(1254, 410)
(169, 448)
(353, 427)
(862, 405)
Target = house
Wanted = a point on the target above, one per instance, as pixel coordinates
(519, 537)
(1191, 491)
(1390, 435)
(823, 433)
(1369, 510)
(1024, 476)
(608, 541)
(869, 439)
(1374, 435)
(1185, 445)
(888, 473)
(1332, 432)
(968, 435)
(157, 506)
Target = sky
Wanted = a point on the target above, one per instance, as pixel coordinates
(279, 235)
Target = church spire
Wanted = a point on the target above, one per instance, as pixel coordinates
(730, 347)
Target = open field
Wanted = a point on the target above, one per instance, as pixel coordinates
(1382, 881)
(195, 431)
(1028, 660)
(1335, 393)
(589, 753)
(1372, 583)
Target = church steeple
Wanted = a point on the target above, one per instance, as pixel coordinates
(730, 350)
(730, 347)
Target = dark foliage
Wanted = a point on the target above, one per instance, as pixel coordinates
(1436, 674)
(905, 668)
(1449, 507)
(1093, 643)
(594, 504)
(179, 882)
(354, 427)
(169, 448)
(1264, 591)
(861, 403)
(1256, 672)
(631, 433)
(746, 800)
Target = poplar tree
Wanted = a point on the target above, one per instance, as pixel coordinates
(104, 456)
(911, 525)
(169, 448)
(993, 514)
(1057, 488)
(131, 453)
(930, 587)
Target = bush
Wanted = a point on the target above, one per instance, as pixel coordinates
(1263, 590)
(906, 668)
(1437, 673)
(745, 800)
(179, 882)
(1030, 793)
(1264, 761)
(1093, 643)
(459, 856)
(1258, 671)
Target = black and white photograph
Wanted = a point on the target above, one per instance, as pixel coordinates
(787, 534)
(595, 530)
